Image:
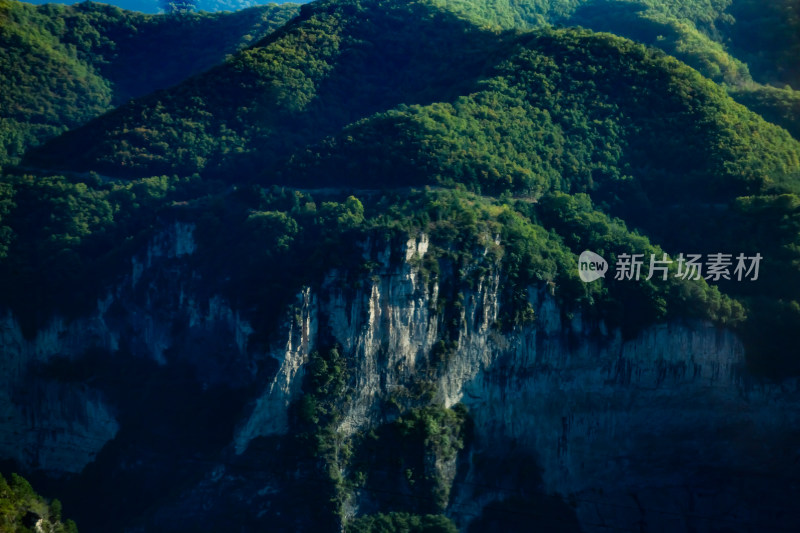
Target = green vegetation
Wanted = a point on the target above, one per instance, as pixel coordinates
(416, 455)
(779, 106)
(541, 122)
(63, 65)
(288, 240)
(319, 416)
(731, 42)
(338, 63)
(248, 134)
(724, 39)
(401, 522)
(154, 6)
(639, 158)
(439, 434)
(65, 237)
(690, 35)
(23, 511)
(766, 35)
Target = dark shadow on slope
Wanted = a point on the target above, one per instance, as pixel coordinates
(335, 64)
(171, 427)
(164, 51)
(513, 479)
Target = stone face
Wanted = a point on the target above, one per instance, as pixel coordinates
(665, 431)
(47, 424)
(59, 426)
(269, 416)
(653, 424)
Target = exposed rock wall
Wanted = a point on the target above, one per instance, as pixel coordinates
(662, 432)
(640, 431)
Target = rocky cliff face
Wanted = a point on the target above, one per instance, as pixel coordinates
(54, 423)
(662, 432)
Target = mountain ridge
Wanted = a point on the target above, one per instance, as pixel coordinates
(64, 65)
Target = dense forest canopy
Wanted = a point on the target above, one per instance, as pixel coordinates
(751, 47)
(158, 6)
(62, 66)
(717, 36)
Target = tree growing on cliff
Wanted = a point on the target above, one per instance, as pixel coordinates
(21, 509)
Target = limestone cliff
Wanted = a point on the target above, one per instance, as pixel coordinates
(662, 432)
(638, 432)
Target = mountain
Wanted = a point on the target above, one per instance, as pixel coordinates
(142, 6)
(497, 113)
(331, 94)
(723, 39)
(748, 46)
(81, 61)
(334, 283)
(157, 6)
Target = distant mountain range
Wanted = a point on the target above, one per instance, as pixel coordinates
(157, 6)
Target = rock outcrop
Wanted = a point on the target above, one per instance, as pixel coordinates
(662, 432)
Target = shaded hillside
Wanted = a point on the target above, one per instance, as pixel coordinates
(718, 37)
(358, 66)
(63, 65)
(779, 106)
(732, 42)
(156, 6)
(338, 63)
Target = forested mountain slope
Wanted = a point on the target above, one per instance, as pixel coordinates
(331, 85)
(740, 43)
(157, 6)
(384, 94)
(707, 34)
(63, 65)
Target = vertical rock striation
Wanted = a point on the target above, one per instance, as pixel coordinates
(662, 432)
